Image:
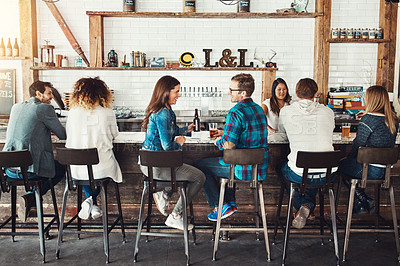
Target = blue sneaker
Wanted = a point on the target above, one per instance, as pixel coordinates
(226, 212)
(233, 206)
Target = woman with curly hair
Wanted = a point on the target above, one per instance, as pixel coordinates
(91, 123)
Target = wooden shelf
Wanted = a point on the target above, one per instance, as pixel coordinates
(161, 68)
(13, 58)
(201, 15)
(357, 40)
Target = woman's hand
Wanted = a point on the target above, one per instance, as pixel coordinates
(217, 138)
(180, 139)
(191, 127)
(361, 114)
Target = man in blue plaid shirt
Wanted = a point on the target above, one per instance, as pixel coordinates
(246, 127)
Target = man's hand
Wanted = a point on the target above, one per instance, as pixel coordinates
(191, 127)
(219, 134)
(181, 140)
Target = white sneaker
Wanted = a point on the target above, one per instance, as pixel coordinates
(301, 217)
(96, 212)
(161, 202)
(86, 208)
(176, 222)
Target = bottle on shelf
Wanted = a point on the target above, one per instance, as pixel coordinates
(129, 5)
(2, 48)
(189, 5)
(15, 50)
(9, 48)
(196, 121)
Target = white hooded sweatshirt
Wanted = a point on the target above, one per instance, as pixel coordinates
(309, 127)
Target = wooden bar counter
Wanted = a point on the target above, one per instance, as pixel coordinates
(127, 145)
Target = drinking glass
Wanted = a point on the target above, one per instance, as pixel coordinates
(213, 129)
(345, 130)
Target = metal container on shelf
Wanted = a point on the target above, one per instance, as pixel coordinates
(343, 33)
(129, 5)
(365, 33)
(350, 33)
(379, 33)
(335, 33)
(243, 6)
(372, 33)
(357, 33)
(189, 5)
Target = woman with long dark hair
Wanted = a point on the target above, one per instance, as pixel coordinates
(162, 133)
(378, 128)
(279, 98)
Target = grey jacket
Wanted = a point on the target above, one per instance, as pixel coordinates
(29, 128)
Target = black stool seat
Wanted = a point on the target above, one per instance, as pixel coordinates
(310, 160)
(23, 159)
(169, 159)
(367, 156)
(88, 157)
(251, 157)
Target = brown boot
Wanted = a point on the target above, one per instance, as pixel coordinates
(26, 202)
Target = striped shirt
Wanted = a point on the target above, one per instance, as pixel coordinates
(246, 127)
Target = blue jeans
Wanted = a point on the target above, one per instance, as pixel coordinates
(59, 175)
(213, 169)
(351, 167)
(310, 195)
(91, 193)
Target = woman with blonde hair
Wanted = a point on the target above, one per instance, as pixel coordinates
(91, 123)
(378, 128)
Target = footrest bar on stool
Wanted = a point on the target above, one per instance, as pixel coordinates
(160, 234)
(372, 230)
(5, 222)
(242, 229)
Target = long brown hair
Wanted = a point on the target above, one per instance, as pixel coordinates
(377, 101)
(90, 93)
(160, 97)
(274, 101)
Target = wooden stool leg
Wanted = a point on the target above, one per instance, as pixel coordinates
(334, 226)
(349, 215)
(103, 192)
(39, 207)
(288, 221)
(61, 226)
(264, 220)
(140, 222)
(394, 216)
(220, 204)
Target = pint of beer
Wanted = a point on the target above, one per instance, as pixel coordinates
(345, 130)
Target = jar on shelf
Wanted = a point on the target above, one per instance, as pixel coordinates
(365, 33)
(335, 33)
(379, 33)
(350, 33)
(343, 33)
(189, 5)
(372, 33)
(357, 33)
(129, 5)
(243, 6)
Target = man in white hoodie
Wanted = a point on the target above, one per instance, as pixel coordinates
(309, 127)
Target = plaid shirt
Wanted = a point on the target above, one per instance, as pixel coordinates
(246, 127)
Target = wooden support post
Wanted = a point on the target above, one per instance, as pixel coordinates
(321, 47)
(268, 77)
(96, 39)
(387, 50)
(28, 43)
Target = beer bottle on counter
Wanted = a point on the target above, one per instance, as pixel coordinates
(15, 51)
(196, 121)
(9, 48)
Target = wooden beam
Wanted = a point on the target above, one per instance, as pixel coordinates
(96, 45)
(387, 51)
(268, 77)
(28, 43)
(321, 46)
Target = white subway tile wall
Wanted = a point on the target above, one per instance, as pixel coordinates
(292, 39)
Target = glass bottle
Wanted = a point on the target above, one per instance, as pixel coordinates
(15, 51)
(196, 121)
(9, 48)
(2, 48)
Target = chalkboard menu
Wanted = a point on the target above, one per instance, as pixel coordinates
(7, 91)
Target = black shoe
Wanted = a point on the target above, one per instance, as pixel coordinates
(367, 202)
(26, 202)
(359, 207)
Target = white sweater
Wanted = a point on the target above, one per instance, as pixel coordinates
(309, 127)
(94, 129)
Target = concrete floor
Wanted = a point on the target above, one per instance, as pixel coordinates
(243, 249)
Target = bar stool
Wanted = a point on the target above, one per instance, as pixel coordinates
(23, 160)
(251, 157)
(170, 159)
(88, 157)
(367, 156)
(310, 160)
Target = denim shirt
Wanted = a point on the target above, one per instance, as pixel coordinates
(162, 130)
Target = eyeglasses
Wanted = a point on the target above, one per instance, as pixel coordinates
(234, 90)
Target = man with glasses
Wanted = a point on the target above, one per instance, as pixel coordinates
(246, 127)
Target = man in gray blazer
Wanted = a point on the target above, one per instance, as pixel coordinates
(29, 127)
